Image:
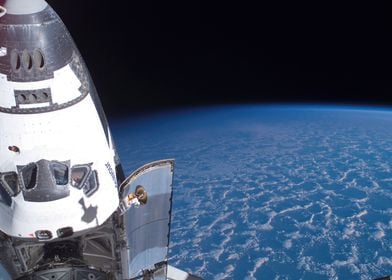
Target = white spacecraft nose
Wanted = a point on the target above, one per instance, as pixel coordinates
(24, 7)
(35, 51)
(48, 104)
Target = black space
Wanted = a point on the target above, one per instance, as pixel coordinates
(149, 56)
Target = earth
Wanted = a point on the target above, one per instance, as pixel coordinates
(273, 192)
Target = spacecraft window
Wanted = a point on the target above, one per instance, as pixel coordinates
(27, 60)
(60, 172)
(9, 181)
(39, 59)
(4, 196)
(91, 185)
(29, 175)
(79, 175)
(15, 60)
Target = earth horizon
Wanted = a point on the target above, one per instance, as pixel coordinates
(273, 192)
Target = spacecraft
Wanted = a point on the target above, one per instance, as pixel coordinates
(66, 209)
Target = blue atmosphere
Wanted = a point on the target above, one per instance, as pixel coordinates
(273, 192)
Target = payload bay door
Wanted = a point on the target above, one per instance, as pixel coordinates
(147, 226)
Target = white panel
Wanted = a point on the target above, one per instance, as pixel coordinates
(74, 133)
(3, 51)
(7, 98)
(177, 274)
(65, 86)
(31, 85)
(37, 105)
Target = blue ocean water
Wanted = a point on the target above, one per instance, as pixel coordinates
(3, 274)
(273, 192)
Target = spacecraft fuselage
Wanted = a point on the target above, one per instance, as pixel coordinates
(60, 175)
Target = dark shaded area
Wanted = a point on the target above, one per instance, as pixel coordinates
(71, 273)
(44, 180)
(90, 213)
(146, 56)
(63, 250)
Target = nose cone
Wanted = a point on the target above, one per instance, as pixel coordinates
(35, 52)
(23, 7)
(33, 41)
